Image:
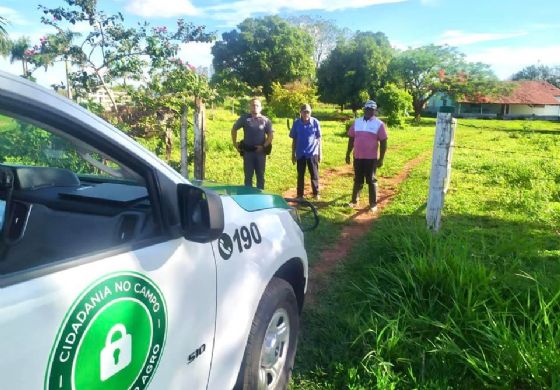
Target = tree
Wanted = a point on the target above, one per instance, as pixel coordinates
(20, 50)
(263, 51)
(355, 70)
(325, 34)
(4, 38)
(59, 47)
(550, 74)
(110, 51)
(395, 103)
(162, 104)
(228, 85)
(427, 70)
(286, 100)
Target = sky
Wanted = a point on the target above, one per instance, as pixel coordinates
(506, 34)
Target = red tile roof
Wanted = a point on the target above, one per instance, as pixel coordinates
(525, 92)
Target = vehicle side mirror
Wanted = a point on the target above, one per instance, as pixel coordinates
(202, 213)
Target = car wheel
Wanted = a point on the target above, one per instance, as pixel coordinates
(271, 347)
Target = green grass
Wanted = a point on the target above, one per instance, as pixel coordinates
(473, 306)
(224, 165)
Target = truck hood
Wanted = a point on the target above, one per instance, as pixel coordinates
(248, 198)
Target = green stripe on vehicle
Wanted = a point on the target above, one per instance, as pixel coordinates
(248, 198)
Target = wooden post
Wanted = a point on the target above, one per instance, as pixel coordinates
(184, 150)
(199, 140)
(441, 168)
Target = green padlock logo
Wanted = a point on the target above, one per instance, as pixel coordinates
(117, 354)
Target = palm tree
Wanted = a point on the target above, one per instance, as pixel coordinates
(19, 51)
(4, 40)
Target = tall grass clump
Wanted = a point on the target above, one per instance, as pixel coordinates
(437, 309)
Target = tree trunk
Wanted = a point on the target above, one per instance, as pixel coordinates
(184, 150)
(199, 140)
(168, 142)
(110, 94)
(68, 91)
(418, 106)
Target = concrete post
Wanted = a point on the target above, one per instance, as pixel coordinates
(441, 168)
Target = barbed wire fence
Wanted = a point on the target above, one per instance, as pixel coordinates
(440, 175)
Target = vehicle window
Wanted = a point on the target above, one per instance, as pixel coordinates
(22, 143)
(67, 198)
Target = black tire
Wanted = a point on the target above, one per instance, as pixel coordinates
(278, 300)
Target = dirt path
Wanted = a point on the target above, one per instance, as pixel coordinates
(361, 221)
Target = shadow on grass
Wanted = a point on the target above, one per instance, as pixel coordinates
(331, 350)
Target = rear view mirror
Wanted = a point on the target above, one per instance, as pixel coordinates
(202, 213)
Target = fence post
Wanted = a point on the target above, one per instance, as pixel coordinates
(441, 168)
(199, 140)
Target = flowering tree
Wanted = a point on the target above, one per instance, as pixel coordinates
(110, 51)
(427, 70)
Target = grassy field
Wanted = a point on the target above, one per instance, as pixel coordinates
(225, 165)
(476, 305)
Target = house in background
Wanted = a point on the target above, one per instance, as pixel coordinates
(102, 97)
(528, 99)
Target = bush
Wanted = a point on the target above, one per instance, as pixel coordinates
(395, 103)
(286, 100)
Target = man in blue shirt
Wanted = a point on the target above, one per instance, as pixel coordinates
(306, 149)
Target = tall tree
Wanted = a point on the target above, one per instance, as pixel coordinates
(20, 50)
(550, 74)
(355, 69)
(263, 51)
(427, 70)
(325, 34)
(4, 38)
(110, 51)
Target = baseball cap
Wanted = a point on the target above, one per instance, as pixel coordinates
(305, 107)
(370, 104)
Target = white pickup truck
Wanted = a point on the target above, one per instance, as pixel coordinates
(117, 273)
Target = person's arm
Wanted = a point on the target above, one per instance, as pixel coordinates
(382, 145)
(268, 140)
(234, 138)
(293, 151)
(269, 136)
(351, 134)
(234, 129)
(382, 150)
(320, 139)
(349, 149)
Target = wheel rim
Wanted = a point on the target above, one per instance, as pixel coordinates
(274, 350)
